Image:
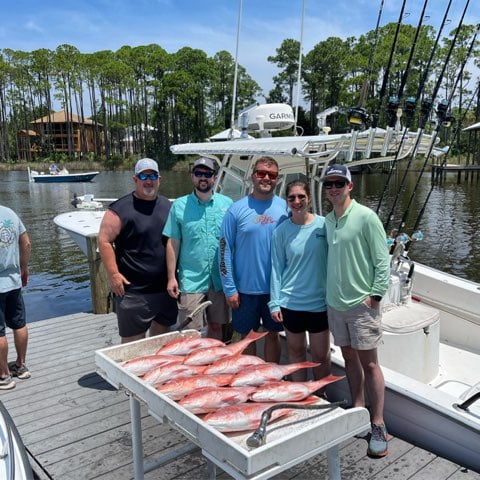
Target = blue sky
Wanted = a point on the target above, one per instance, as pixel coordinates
(211, 25)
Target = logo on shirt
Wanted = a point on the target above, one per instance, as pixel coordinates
(7, 233)
(223, 267)
(264, 219)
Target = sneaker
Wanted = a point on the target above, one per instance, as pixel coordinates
(7, 383)
(21, 372)
(378, 446)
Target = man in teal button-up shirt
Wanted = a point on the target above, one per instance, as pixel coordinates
(193, 228)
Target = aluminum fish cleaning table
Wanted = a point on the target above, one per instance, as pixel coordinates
(290, 440)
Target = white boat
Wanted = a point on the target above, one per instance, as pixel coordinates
(14, 463)
(60, 177)
(431, 351)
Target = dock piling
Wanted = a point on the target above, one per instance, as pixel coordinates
(99, 287)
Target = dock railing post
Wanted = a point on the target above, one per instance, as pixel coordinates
(99, 287)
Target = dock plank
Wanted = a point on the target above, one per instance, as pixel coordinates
(76, 426)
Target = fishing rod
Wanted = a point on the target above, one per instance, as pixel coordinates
(364, 91)
(410, 108)
(457, 131)
(442, 114)
(425, 112)
(386, 75)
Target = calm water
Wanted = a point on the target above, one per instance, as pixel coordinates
(59, 282)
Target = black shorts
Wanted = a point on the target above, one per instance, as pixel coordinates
(137, 311)
(12, 311)
(300, 321)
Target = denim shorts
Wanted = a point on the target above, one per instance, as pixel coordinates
(253, 312)
(137, 311)
(12, 311)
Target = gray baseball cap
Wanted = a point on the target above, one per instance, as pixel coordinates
(205, 162)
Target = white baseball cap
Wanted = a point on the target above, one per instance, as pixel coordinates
(146, 164)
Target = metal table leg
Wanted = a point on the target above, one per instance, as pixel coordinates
(212, 470)
(333, 460)
(137, 445)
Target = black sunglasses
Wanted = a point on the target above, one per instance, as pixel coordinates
(201, 173)
(150, 176)
(291, 198)
(338, 183)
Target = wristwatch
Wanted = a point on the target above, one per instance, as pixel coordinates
(377, 298)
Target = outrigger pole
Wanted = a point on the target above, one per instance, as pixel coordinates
(299, 74)
(235, 75)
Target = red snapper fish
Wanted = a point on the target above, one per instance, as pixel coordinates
(209, 399)
(185, 345)
(290, 391)
(165, 373)
(141, 365)
(247, 416)
(207, 356)
(177, 389)
(269, 372)
(241, 345)
(233, 364)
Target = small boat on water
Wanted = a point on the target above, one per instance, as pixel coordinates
(14, 463)
(61, 176)
(431, 350)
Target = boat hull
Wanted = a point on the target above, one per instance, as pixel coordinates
(80, 224)
(14, 463)
(422, 415)
(60, 178)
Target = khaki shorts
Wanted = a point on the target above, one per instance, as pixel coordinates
(217, 312)
(359, 328)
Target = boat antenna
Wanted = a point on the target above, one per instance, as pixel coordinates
(442, 111)
(410, 110)
(386, 75)
(445, 105)
(235, 75)
(299, 73)
(364, 91)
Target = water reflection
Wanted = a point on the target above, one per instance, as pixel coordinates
(59, 279)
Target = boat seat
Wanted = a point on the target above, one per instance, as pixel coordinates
(409, 318)
(411, 341)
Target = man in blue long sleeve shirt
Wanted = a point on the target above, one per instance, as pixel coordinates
(245, 264)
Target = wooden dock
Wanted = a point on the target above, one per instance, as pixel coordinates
(439, 172)
(75, 426)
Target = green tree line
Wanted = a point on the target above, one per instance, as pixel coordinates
(162, 98)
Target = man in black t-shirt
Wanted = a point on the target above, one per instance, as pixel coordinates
(133, 251)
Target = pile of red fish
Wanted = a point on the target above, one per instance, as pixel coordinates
(209, 377)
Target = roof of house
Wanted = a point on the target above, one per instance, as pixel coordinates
(30, 133)
(61, 117)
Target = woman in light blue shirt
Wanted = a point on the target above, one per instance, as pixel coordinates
(298, 281)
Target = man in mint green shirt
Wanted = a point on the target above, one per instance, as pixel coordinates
(193, 231)
(358, 271)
